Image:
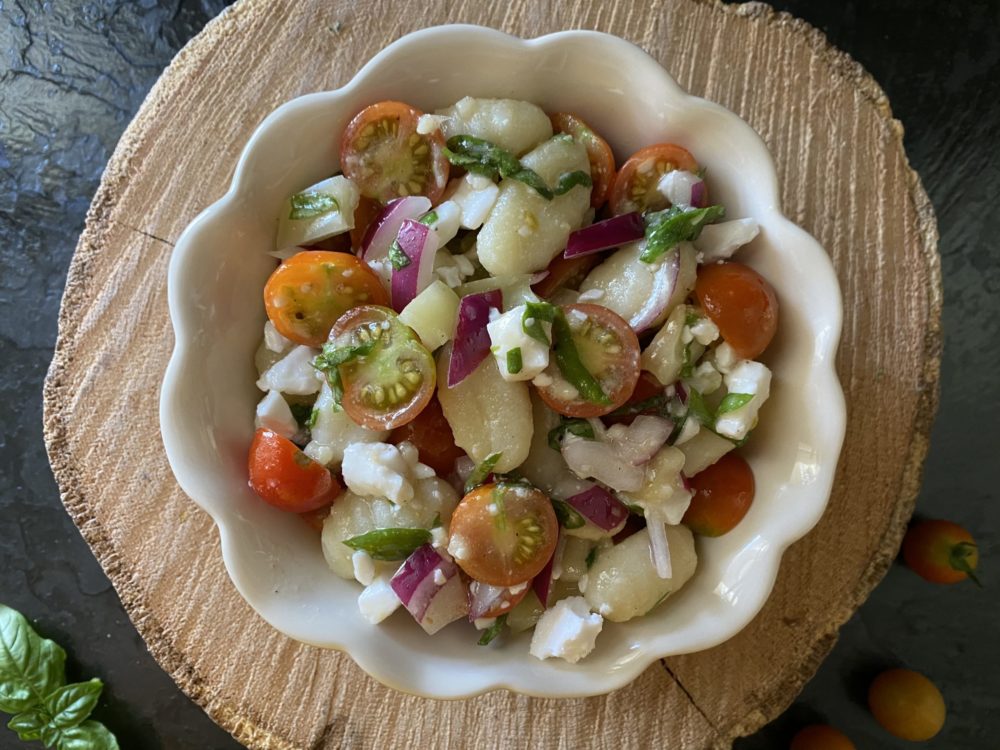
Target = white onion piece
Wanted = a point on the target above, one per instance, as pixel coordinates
(418, 243)
(664, 283)
(719, 241)
(383, 230)
(591, 458)
(638, 442)
(658, 547)
(542, 582)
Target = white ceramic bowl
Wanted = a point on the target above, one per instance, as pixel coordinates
(219, 268)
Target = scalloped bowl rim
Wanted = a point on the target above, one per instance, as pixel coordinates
(390, 652)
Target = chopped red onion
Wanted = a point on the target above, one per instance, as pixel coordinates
(414, 582)
(472, 340)
(664, 283)
(604, 235)
(483, 597)
(383, 230)
(699, 195)
(419, 244)
(600, 507)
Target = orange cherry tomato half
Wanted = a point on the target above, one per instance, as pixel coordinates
(940, 551)
(907, 704)
(741, 303)
(634, 188)
(387, 158)
(723, 494)
(821, 737)
(609, 351)
(308, 292)
(287, 478)
(565, 273)
(503, 534)
(392, 384)
(431, 434)
(602, 160)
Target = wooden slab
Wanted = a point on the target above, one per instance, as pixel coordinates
(845, 178)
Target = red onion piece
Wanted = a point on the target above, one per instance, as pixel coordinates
(414, 582)
(664, 283)
(604, 235)
(600, 507)
(632, 525)
(699, 196)
(419, 244)
(383, 230)
(472, 340)
(482, 598)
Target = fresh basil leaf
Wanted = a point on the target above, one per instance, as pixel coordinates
(732, 402)
(569, 517)
(390, 544)
(51, 734)
(31, 667)
(492, 631)
(437, 521)
(479, 474)
(514, 362)
(579, 427)
(536, 313)
(697, 409)
(312, 203)
(570, 364)
(569, 180)
(668, 228)
(28, 725)
(71, 704)
(398, 257)
(428, 218)
(532, 179)
(90, 735)
(332, 357)
(591, 556)
(483, 157)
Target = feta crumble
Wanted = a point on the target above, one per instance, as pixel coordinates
(378, 600)
(364, 567)
(293, 373)
(274, 340)
(507, 333)
(274, 414)
(377, 470)
(751, 378)
(568, 630)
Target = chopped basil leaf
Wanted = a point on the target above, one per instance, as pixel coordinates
(569, 180)
(691, 318)
(732, 402)
(437, 521)
(591, 556)
(390, 544)
(666, 229)
(311, 203)
(570, 364)
(514, 361)
(569, 517)
(536, 313)
(398, 257)
(479, 474)
(429, 218)
(697, 409)
(492, 631)
(636, 510)
(333, 356)
(579, 427)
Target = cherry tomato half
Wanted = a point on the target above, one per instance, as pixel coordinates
(433, 438)
(602, 160)
(609, 351)
(940, 551)
(741, 303)
(504, 604)
(646, 388)
(634, 188)
(506, 533)
(364, 215)
(391, 384)
(723, 494)
(907, 704)
(565, 273)
(308, 292)
(287, 478)
(387, 158)
(821, 737)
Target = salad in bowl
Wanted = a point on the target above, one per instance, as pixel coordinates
(484, 353)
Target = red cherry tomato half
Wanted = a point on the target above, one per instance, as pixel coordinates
(940, 551)
(634, 188)
(504, 533)
(308, 292)
(907, 704)
(387, 158)
(431, 434)
(390, 385)
(741, 303)
(609, 351)
(602, 160)
(287, 478)
(723, 494)
(565, 273)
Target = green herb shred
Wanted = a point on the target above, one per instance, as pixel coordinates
(311, 204)
(333, 356)
(429, 218)
(697, 408)
(732, 402)
(479, 474)
(668, 228)
(514, 361)
(536, 313)
(390, 544)
(569, 517)
(570, 364)
(579, 427)
(398, 257)
(490, 634)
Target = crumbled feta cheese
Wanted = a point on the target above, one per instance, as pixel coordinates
(439, 538)
(507, 333)
(726, 358)
(748, 377)
(705, 378)
(377, 470)
(718, 242)
(482, 623)
(293, 373)
(273, 413)
(515, 590)
(450, 275)
(378, 600)
(382, 269)
(475, 196)
(274, 340)
(458, 547)
(567, 630)
(691, 428)
(591, 295)
(704, 331)
(676, 186)
(364, 567)
(439, 577)
(427, 124)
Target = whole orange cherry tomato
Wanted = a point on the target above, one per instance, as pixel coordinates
(907, 704)
(741, 303)
(941, 552)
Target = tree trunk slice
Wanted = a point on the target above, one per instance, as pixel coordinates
(844, 177)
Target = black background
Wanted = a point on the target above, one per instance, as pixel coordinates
(72, 75)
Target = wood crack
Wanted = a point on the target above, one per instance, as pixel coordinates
(705, 716)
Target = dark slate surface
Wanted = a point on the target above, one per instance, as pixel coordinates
(71, 76)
